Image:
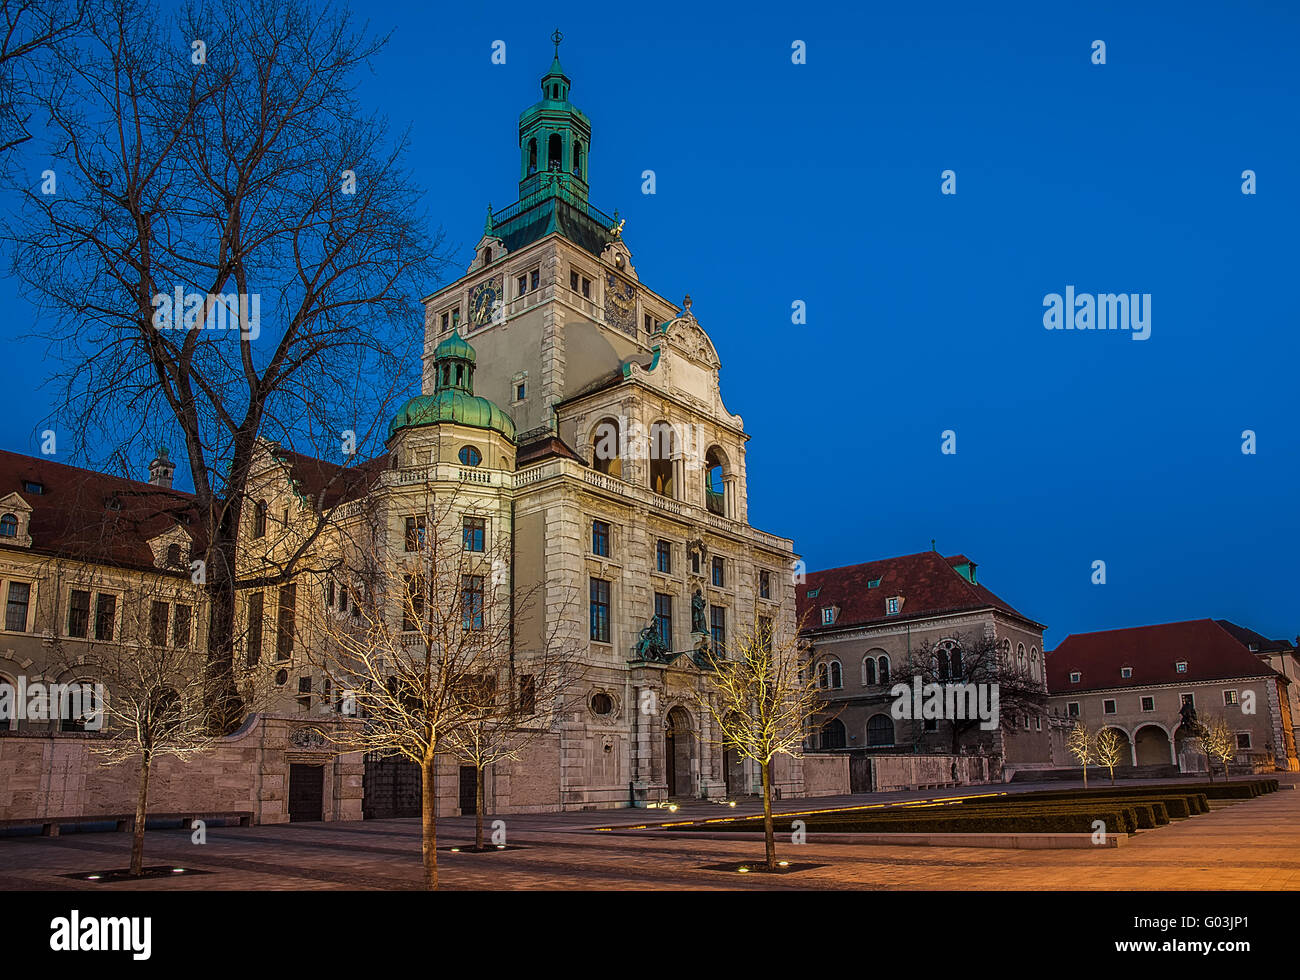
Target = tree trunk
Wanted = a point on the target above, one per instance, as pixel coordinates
(221, 692)
(429, 820)
(1085, 775)
(141, 808)
(769, 835)
(1112, 775)
(478, 808)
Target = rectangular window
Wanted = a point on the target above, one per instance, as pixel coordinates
(1074, 675)
(1189, 699)
(1229, 697)
(285, 622)
(20, 594)
(600, 538)
(105, 615)
(1108, 706)
(471, 607)
(79, 614)
(158, 616)
(1072, 709)
(255, 613)
(600, 610)
(521, 390)
(1148, 704)
(181, 627)
(719, 578)
(534, 279)
(415, 533)
(718, 628)
(891, 606)
(586, 287)
(446, 321)
(573, 280)
(764, 584)
(527, 694)
(1038, 723)
(828, 616)
(1181, 666)
(649, 323)
(304, 691)
(329, 594)
(1126, 672)
(523, 284)
(343, 598)
(664, 618)
(664, 556)
(1243, 740)
(695, 563)
(475, 533)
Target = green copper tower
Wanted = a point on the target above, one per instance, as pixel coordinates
(554, 138)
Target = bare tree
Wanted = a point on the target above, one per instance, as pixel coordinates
(233, 236)
(1109, 747)
(762, 696)
(154, 675)
(1220, 742)
(1079, 743)
(28, 28)
(428, 654)
(977, 659)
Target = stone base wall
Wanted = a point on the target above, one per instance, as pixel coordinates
(825, 775)
(59, 775)
(897, 772)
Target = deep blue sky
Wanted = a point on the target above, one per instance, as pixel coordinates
(821, 182)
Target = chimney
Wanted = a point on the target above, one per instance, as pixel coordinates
(161, 470)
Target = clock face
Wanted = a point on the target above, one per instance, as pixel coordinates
(482, 301)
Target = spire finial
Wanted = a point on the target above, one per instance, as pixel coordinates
(487, 225)
(557, 37)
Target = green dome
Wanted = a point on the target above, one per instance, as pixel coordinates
(453, 398)
(451, 405)
(454, 346)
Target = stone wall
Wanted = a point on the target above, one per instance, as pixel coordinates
(825, 775)
(53, 775)
(896, 772)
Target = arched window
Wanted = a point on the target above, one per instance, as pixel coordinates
(882, 669)
(880, 731)
(1020, 658)
(606, 448)
(259, 519)
(715, 489)
(947, 660)
(173, 554)
(555, 152)
(470, 456)
(823, 675)
(868, 671)
(837, 675)
(532, 156)
(1006, 653)
(81, 708)
(577, 158)
(663, 449)
(833, 735)
(1033, 662)
(9, 526)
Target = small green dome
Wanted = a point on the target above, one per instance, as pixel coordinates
(453, 398)
(454, 346)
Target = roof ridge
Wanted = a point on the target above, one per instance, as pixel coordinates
(100, 474)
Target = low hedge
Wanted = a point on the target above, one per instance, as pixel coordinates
(1170, 805)
(1117, 818)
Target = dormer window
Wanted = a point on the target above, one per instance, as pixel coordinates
(1074, 677)
(813, 593)
(874, 584)
(1181, 666)
(828, 615)
(893, 604)
(1126, 672)
(31, 486)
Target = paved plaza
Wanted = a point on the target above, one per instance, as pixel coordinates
(1250, 845)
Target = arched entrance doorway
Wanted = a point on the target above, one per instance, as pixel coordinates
(1153, 748)
(678, 750)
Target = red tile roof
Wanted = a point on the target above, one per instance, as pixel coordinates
(549, 447)
(927, 582)
(1211, 653)
(73, 515)
(328, 484)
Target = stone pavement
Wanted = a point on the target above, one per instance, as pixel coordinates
(1252, 845)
